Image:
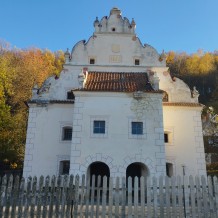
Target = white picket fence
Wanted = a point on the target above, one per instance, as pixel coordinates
(72, 196)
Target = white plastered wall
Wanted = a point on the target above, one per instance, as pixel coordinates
(117, 147)
(185, 147)
(44, 145)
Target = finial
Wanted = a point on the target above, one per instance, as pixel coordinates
(96, 22)
(67, 52)
(162, 56)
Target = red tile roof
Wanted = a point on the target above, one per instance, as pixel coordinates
(117, 82)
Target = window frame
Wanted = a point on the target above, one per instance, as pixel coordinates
(137, 61)
(99, 127)
(70, 95)
(62, 164)
(64, 134)
(92, 61)
(99, 118)
(137, 128)
(136, 136)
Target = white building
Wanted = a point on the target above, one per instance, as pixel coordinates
(115, 110)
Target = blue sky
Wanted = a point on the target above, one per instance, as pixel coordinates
(178, 25)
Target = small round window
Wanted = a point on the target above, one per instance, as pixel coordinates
(113, 29)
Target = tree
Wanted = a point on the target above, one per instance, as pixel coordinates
(20, 70)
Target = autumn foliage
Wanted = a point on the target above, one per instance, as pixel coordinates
(20, 70)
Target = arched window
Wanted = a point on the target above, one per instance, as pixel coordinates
(169, 169)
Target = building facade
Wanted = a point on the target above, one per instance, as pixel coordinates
(115, 110)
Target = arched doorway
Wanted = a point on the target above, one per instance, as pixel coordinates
(98, 169)
(136, 169)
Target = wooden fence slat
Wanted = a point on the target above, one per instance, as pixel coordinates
(33, 197)
(205, 196)
(104, 196)
(58, 195)
(64, 195)
(192, 192)
(174, 196)
(186, 196)
(161, 196)
(142, 197)
(130, 197)
(76, 196)
(136, 192)
(215, 185)
(69, 197)
(92, 196)
(117, 200)
(149, 194)
(123, 197)
(40, 197)
(45, 198)
(52, 196)
(20, 200)
(98, 195)
(155, 194)
(8, 196)
(198, 196)
(211, 198)
(15, 196)
(110, 206)
(82, 196)
(27, 197)
(180, 197)
(167, 195)
(2, 194)
(87, 197)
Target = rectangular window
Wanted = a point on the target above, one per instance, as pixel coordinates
(137, 62)
(70, 95)
(99, 127)
(92, 61)
(64, 167)
(137, 128)
(67, 133)
(166, 137)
